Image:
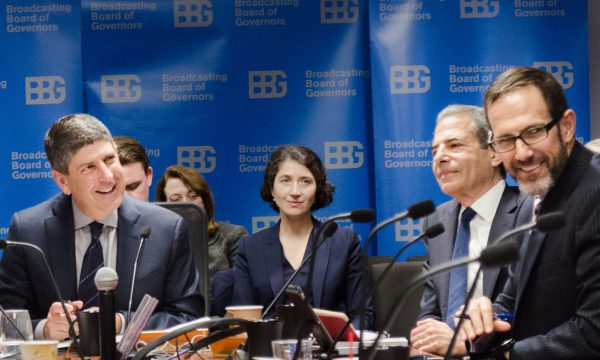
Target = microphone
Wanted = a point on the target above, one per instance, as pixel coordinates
(8, 243)
(329, 230)
(414, 211)
(543, 223)
(360, 216)
(497, 254)
(429, 233)
(144, 234)
(106, 280)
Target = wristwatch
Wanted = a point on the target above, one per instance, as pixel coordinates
(502, 352)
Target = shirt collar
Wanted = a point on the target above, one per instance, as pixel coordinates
(80, 219)
(487, 204)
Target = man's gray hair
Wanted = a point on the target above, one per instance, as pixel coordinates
(476, 113)
(69, 134)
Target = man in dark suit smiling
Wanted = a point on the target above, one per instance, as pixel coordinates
(90, 225)
(554, 292)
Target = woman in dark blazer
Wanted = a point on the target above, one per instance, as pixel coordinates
(295, 184)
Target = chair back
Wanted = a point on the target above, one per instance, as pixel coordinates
(390, 291)
(197, 223)
(372, 260)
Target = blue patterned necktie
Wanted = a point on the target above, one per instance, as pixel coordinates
(92, 261)
(457, 289)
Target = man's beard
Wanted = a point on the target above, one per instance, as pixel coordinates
(542, 186)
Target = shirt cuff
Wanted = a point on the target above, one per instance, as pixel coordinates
(39, 330)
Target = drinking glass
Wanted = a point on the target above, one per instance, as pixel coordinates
(15, 327)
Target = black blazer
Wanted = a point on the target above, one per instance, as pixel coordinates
(337, 276)
(555, 290)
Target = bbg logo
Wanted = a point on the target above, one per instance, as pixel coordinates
(121, 88)
(407, 229)
(192, 13)
(471, 9)
(339, 11)
(344, 154)
(561, 70)
(43, 90)
(199, 158)
(267, 84)
(413, 79)
(263, 222)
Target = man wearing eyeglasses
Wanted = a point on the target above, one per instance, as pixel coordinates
(554, 291)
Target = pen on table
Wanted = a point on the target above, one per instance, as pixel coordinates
(499, 316)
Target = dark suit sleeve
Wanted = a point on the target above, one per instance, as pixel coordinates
(429, 302)
(576, 338)
(182, 301)
(242, 284)
(16, 290)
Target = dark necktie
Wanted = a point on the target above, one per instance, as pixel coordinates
(92, 261)
(457, 289)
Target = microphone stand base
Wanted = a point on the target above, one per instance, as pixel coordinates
(385, 353)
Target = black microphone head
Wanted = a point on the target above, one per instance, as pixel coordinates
(145, 233)
(3, 244)
(106, 279)
(551, 221)
(330, 229)
(499, 253)
(362, 215)
(421, 209)
(434, 230)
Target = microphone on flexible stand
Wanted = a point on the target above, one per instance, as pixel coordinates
(497, 254)
(359, 216)
(415, 211)
(429, 233)
(8, 243)
(106, 280)
(327, 232)
(144, 234)
(543, 223)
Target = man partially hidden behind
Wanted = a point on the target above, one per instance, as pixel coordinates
(554, 292)
(90, 225)
(136, 168)
(482, 209)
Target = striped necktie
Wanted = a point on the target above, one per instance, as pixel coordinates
(92, 261)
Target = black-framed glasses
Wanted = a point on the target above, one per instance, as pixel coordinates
(530, 136)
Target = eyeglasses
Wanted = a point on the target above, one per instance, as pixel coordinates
(530, 136)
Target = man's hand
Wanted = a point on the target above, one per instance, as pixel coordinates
(480, 320)
(57, 326)
(433, 337)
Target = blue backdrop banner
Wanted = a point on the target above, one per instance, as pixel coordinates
(426, 55)
(217, 85)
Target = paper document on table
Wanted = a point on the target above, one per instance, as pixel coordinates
(140, 318)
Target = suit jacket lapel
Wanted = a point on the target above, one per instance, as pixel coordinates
(321, 264)
(449, 219)
(60, 233)
(128, 232)
(503, 222)
(272, 258)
